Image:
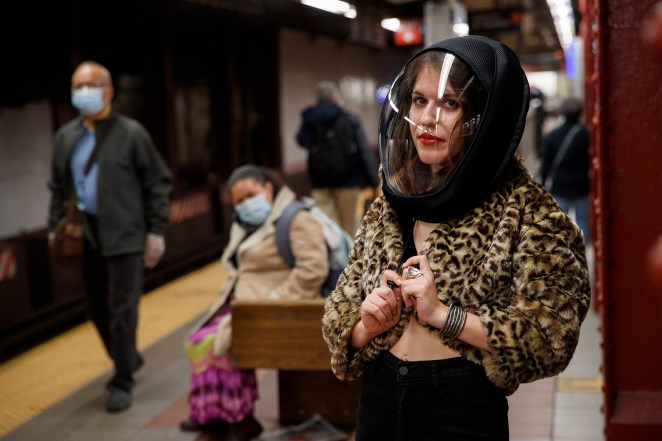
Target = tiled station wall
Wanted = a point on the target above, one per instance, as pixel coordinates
(25, 155)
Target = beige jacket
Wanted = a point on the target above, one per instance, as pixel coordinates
(261, 273)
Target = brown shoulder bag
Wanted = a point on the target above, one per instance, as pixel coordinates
(67, 247)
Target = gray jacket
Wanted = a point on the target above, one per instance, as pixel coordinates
(134, 184)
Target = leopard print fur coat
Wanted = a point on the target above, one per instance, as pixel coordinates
(517, 261)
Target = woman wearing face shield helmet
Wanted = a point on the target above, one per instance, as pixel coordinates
(466, 278)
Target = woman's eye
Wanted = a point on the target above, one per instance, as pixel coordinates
(450, 103)
(419, 100)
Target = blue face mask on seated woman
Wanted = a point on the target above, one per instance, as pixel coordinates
(254, 211)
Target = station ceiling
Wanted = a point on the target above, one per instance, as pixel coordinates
(531, 32)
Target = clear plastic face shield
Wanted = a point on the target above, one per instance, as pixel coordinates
(428, 122)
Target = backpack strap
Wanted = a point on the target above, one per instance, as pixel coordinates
(283, 230)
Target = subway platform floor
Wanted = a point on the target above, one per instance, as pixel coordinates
(57, 390)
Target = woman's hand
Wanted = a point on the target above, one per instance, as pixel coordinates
(420, 292)
(380, 310)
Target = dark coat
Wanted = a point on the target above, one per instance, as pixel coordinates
(134, 184)
(323, 114)
(571, 180)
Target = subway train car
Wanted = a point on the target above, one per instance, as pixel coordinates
(221, 83)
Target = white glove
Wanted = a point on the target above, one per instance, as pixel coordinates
(154, 249)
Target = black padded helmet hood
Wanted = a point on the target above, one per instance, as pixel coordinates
(506, 94)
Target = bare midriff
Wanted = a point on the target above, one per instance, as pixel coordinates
(418, 343)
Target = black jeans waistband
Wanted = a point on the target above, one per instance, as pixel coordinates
(427, 369)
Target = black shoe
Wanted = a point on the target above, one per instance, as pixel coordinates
(118, 400)
(190, 426)
(245, 430)
(212, 426)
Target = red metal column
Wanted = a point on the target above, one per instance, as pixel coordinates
(624, 100)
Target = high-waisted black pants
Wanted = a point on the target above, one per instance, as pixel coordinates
(440, 400)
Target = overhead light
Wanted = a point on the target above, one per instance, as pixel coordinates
(391, 24)
(460, 19)
(461, 29)
(334, 6)
(564, 20)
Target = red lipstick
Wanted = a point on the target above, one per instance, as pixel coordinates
(428, 139)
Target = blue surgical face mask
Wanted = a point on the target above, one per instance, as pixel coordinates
(88, 100)
(255, 210)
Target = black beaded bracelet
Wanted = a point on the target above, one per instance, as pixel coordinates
(454, 322)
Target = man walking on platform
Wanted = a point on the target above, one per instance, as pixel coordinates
(339, 159)
(122, 187)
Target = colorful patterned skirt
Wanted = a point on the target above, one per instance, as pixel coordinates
(219, 391)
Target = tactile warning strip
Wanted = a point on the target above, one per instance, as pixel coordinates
(38, 378)
(579, 384)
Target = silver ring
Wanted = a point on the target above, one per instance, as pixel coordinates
(414, 272)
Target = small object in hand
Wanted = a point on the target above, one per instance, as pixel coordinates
(414, 272)
(391, 284)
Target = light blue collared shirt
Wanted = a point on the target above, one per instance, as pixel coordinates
(86, 186)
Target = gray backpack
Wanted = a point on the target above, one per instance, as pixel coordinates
(338, 242)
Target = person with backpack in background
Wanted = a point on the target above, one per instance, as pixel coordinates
(340, 161)
(221, 397)
(565, 164)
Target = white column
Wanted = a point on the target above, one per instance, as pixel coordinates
(437, 21)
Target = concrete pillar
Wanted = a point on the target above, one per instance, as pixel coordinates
(437, 21)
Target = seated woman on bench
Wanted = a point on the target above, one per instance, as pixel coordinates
(221, 397)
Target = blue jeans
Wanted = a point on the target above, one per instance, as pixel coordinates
(450, 400)
(581, 207)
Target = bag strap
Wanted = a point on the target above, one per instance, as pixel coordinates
(72, 212)
(102, 134)
(560, 153)
(283, 230)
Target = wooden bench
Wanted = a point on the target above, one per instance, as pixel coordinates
(287, 336)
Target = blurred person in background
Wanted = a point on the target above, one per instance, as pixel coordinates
(124, 198)
(222, 397)
(565, 164)
(340, 161)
